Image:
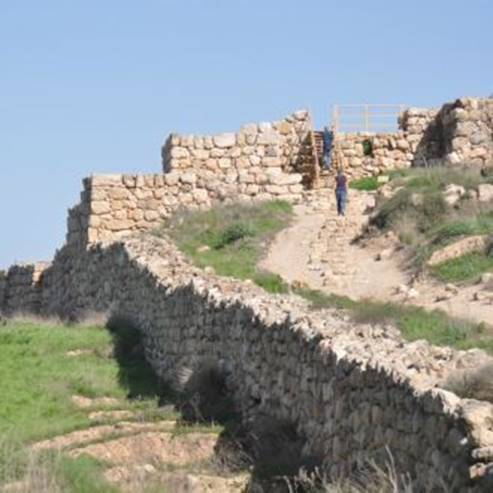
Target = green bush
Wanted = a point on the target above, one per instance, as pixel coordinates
(236, 236)
(232, 233)
(367, 183)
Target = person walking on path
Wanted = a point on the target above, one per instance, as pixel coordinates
(328, 140)
(341, 192)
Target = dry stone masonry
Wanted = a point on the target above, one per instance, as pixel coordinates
(353, 390)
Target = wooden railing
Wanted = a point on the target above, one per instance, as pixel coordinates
(378, 118)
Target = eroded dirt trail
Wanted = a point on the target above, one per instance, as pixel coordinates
(319, 250)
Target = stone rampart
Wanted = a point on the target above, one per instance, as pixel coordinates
(280, 145)
(20, 288)
(459, 132)
(370, 154)
(354, 391)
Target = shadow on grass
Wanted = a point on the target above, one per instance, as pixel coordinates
(135, 373)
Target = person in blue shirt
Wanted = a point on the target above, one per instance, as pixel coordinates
(328, 140)
(341, 192)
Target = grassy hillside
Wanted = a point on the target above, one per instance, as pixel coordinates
(417, 210)
(232, 239)
(42, 367)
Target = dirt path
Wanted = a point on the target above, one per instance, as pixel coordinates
(319, 250)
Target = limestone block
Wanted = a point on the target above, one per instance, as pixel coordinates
(234, 152)
(284, 128)
(118, 193)
(242, 162)
(225, 140)
(224, 163)
(296, 189)
(198, 142)
(189, 178)
(136, 214)
(271, 162)
(200, 195)
(215, 153)
(208, 142)
(249, 128)
(128, 181)
(179, 152)
(211, 164)
(99, 194)
(270, 137)
(117, 224)
(252, 189)
(171, 178)
(100, 207)
(151, 215)
(245, 177)
(106, 180)
(275, 189)
(255, 160)
(251, 139)
(200, 153)
(159, 193)
(485, 192)
(120, 214)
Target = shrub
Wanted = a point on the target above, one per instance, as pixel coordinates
(367, 148)
(233, 233)
(367, 183)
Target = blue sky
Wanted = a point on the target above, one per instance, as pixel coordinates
(95, 86)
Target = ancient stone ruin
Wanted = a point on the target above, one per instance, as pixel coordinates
(354, 391)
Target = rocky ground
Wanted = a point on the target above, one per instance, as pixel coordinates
(140, 455)
(326, 252)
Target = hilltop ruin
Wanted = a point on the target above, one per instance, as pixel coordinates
(352, 390)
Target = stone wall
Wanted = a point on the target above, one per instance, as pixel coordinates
(352, 390)
(21, 287)
(261, 162)
(280, 145)
(459, 132)
(115, 206)
(468, 125)
(369, 154)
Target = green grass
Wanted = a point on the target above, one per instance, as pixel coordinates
(479, 224)
(414, 322)
(467, 267)
(368, 183)
(38, 378)
(419, 215)
(232, 239)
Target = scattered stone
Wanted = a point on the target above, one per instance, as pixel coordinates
(86, 402)
(485, 192)
(453, 193)
(412, 294)
(384, 254)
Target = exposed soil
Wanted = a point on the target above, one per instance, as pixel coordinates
(322, 251)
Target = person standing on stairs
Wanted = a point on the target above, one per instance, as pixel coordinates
(341, 192)
(328, 139)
